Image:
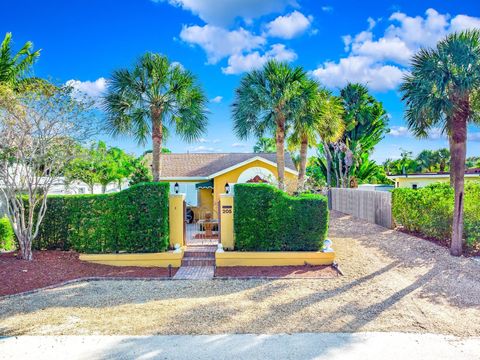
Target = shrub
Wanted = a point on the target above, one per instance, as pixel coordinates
(429, 211)
(7, 238)
(267, 219)
(133, 220)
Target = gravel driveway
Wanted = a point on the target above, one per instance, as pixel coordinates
(393, 282)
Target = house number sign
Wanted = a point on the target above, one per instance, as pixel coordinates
(226, 209)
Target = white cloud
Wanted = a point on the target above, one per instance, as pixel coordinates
(216, 141)
(474, 136)
(224, 12)
(239, 145)
(203, 149)
(289, 26)
(216, 99)
(219, 43)
(203, 140)
(241, 63)
(436, 133)
(327, 8)
(463, 22)
(361, 69)
(93, 89)
(381, 62)
(399, 131)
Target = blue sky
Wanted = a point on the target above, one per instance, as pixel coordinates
(83, 41)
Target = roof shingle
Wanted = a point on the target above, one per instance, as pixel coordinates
(206, 164)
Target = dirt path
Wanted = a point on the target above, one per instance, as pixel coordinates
(392, 282)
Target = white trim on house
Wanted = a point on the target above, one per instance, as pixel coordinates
(224, 171)
(418, 176)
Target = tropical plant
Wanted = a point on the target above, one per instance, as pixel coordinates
(265, 145)
(151, 97)
(320, 117)
(268, 100)
(442, 90)
(365, 122)
(15, 67)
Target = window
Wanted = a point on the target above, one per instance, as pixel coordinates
(414, 186)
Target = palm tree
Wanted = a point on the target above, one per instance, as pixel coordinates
(426, 160)
(155, 93)
(268, 100)
(14, 67)
(321, 116)
(441, 90)
(265, 145)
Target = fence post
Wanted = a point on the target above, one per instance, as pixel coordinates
(226, 221)
(176, 219)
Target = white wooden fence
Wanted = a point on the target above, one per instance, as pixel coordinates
(372, 206)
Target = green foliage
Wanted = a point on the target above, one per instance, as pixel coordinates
(14, 67)
(140, 172)
(7, 237)
(133, 220)
(265, 145)
(100, 164)
(429, 211)
(426, 161)
(267, 219)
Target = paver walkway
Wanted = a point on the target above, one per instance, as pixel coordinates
(197, 264)
(194, 273)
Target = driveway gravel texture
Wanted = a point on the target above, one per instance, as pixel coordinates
(393, 282)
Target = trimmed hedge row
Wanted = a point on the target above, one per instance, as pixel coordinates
(133, 220)
(267, 219)
(7, 237)
(429, 211)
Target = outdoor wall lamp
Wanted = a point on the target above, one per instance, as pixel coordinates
(176, 187)
(227, 188)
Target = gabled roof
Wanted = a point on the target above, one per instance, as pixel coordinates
(204, 165)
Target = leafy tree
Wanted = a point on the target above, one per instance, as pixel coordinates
(265, 145)
(268, 100)
(140, 172)
(472, 162)
(443, 90)
(151, 97)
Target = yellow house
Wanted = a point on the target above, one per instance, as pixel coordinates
(204, 176)
(415, 181)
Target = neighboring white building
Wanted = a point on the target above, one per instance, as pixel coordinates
(59, 187)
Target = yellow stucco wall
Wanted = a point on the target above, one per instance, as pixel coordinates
(175, 219)
(232, 178)
(227, 235)
(143, 260)
(205, 199)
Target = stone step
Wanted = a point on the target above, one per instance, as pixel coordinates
(198, 261)
(194, 273)
(199, 254)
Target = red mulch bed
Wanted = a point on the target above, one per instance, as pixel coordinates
(53, 267)
(277, 272)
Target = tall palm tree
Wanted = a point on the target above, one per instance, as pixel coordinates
(441, 90)
(153, 95)
(14, 67)
(267, 100)
(321, 117)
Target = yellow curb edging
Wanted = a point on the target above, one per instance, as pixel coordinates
(142, 260)
(280, 258)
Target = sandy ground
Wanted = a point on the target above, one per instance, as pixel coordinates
(393, 282)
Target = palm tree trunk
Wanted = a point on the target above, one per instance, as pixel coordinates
(452, 175)
(280, 138)
(458, 149)
(328, 158)
(157, 138)
(303, 163)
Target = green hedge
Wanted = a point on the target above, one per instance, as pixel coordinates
(133, 220)
(267, 219)
(429, 211)
(7, 237)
